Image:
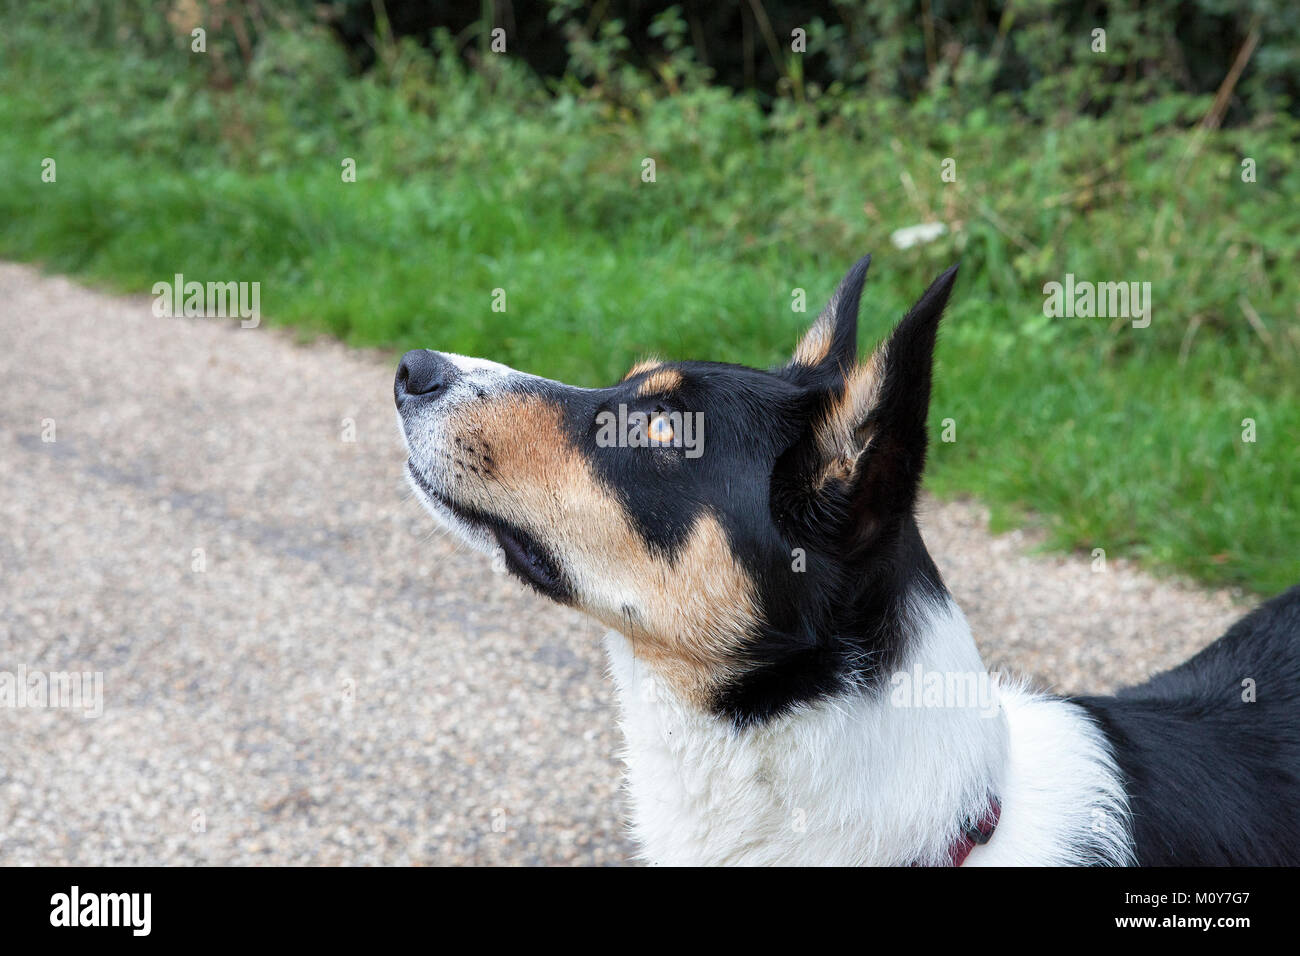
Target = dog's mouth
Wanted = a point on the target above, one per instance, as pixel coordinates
(524, 555)
(528, 559)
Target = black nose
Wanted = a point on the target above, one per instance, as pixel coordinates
(422, 373)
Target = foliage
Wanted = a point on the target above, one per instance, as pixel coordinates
(476, 174)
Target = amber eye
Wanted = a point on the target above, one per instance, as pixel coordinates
(661, 428)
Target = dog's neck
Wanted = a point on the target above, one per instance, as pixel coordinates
(873, 775)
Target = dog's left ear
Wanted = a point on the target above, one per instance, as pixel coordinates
(868, 437)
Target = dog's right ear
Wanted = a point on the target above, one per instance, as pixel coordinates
(830, 348)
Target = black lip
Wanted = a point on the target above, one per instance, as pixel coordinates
(525, 557)
(530, 561)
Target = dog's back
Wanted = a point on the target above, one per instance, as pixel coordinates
(1210, 750)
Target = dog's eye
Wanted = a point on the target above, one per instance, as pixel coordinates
(661, 429)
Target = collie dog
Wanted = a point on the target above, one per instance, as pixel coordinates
(796, 683)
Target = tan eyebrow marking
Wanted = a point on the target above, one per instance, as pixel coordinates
(660, 382)
(645, 365)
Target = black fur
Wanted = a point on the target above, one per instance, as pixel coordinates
(1214, 780)
(837, 562)
(840, 617)
(845, 619)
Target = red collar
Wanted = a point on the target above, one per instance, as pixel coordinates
(974, 834)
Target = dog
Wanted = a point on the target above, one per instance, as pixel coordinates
(794, 679)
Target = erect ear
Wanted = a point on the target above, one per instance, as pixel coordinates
(869, 438)
(830, 347)
(893, 457)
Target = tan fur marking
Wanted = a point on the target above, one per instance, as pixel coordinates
(816, 343)
(660, 382)
(645, 365)
(838, 437)
(685, 618)
(696, 611)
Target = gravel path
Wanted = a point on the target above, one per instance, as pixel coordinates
(337, 684)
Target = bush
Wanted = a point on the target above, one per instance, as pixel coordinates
(479, 175)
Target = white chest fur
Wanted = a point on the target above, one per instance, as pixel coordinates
(869, 778)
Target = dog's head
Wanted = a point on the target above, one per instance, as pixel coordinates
(750, 532)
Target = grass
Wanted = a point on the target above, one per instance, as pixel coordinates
(1124, 439)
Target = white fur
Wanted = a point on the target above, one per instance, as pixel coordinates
(860, 780)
